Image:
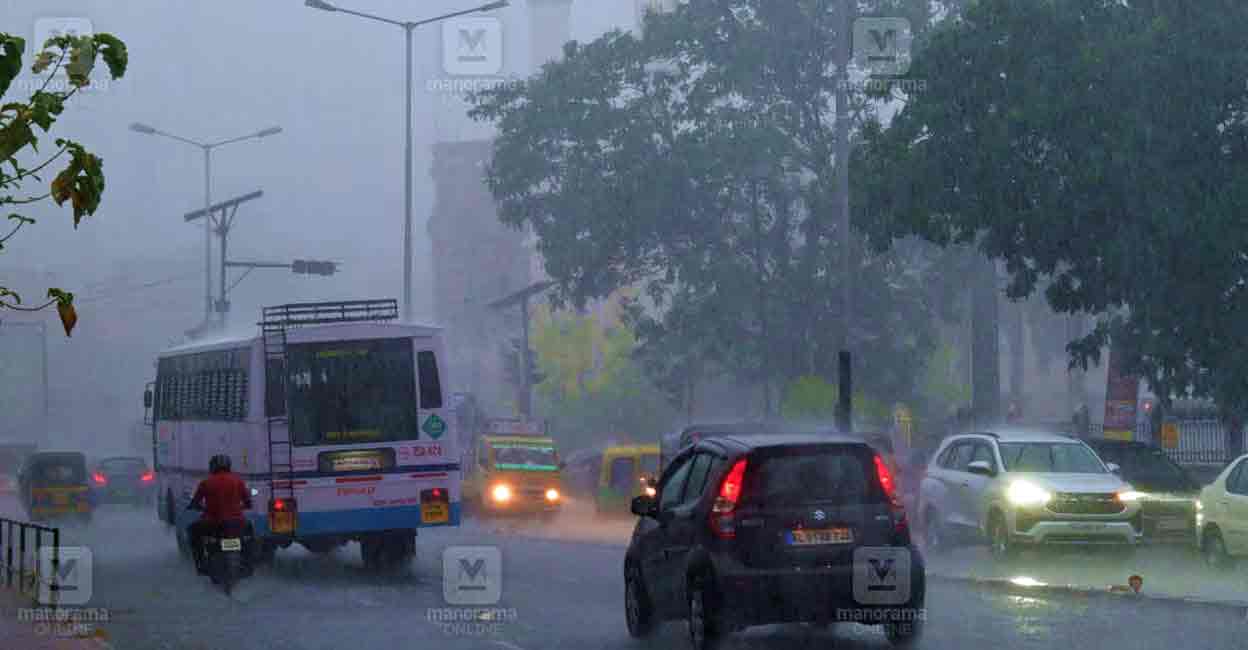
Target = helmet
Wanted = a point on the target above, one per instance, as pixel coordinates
(219, 463)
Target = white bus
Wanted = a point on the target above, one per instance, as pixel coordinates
(334, 414)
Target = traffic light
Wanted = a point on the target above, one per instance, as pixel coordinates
(313, 267)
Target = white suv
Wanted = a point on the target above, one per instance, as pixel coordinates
(1018, 488)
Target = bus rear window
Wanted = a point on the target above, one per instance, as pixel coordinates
(430, 383)
(348, 392)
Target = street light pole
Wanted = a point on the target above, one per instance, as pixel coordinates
(409, 176)
(407, 186)
(207, 148)
(207, 234)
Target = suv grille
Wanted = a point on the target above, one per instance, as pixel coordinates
(1067, 503)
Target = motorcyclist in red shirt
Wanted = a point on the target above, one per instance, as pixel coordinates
(222, 497)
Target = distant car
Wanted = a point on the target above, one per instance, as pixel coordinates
(1222, 516)
(762, 529)
(1018, 488)
(1168, 493)
(123, 479)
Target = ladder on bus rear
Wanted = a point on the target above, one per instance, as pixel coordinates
(274, 325)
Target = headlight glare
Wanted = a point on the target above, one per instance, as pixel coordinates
(1022, 493)
(501, 493)
(1131, 495)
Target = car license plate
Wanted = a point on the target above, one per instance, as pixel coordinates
(814, 537)
(434, 513)
(232, 544)
(282, 523)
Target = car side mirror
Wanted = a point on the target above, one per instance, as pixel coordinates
(644, 506)
(981, 468)
(147, 399)
(1114, 467)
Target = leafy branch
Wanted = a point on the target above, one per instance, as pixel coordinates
(81, 181)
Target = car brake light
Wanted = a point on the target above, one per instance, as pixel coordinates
(723, 511)
(99, 478)
(279, 505)
(148, 477)
(900, 524)
(886, 478)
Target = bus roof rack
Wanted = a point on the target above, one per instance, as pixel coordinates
(320, 313)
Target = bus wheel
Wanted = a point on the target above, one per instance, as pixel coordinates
(371, 551)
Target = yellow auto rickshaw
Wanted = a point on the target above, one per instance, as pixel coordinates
(627, 472)
(54, 485)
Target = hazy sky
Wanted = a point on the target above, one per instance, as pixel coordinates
(333, 180)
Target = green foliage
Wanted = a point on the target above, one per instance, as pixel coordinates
(814, 398)
(81, 181)
(1041, 138)
(590, 397)
(710, 185)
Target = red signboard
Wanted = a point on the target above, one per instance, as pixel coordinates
(1121, 395)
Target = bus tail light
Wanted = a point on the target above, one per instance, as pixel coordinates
(282, 516)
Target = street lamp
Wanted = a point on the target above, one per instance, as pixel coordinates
(206, 147)
(408, 27)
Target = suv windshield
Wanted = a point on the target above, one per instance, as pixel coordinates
(840, 476)
(1059, 457)
(352, 391)
(507, 456)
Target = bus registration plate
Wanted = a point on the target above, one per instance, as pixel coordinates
(434, 513)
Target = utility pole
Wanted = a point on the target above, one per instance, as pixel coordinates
(844, 54)
(221, 223)
(521, 299)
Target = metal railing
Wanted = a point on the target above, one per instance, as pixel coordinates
(21, 552)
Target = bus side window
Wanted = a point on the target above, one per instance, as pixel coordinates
(430, 383)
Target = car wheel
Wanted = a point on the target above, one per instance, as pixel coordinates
(935, 533)
(702, 631)
(1002, 547)
(1213, 549)
(638, 612)
(903, 634)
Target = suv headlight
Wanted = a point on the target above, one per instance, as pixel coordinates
(1023, 493)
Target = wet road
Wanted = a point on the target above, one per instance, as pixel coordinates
(565, 594)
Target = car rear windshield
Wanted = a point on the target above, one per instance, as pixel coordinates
(826, 475)
(123, 465)
(1058, 457)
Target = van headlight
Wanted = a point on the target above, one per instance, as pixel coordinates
(1023, 493)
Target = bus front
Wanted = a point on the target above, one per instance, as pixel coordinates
(374, 454)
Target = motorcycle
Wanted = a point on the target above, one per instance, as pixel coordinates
(225, 554)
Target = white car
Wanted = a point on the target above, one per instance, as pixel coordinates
(1222, 516)
(1016, 488)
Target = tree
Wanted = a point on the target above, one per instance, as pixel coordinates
(591, 387)
(707, 180)
(81, 180)
(1041, 139)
